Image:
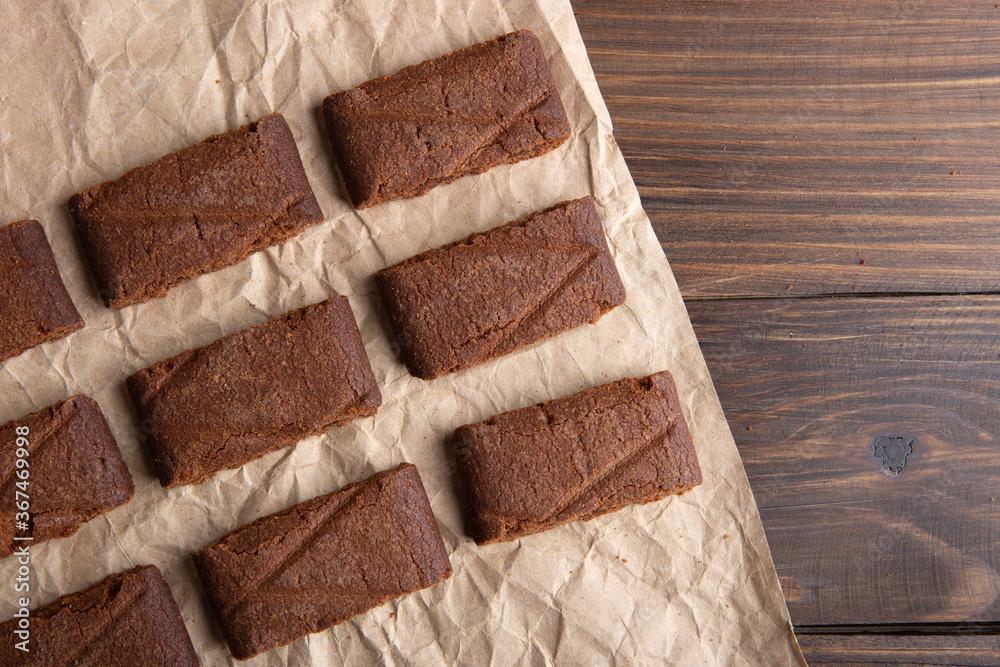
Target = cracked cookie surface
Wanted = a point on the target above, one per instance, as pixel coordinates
(128, 620)
(323, 561)
(77, 471)
(464, 113)
(201, 209)
(575, 458)
(34, 305)
(254, 391)
(497, 291)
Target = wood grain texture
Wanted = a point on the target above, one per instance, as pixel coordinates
(778, 144)
(898, 650)
(809, 386)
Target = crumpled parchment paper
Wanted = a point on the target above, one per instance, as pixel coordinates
(91, 89)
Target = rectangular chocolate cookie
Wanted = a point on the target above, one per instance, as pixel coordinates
(195, 211)
(75, 473)
(323, 562)
(254, 391)
(34, 305)
(128, 619)
(575, 458)
(500, 290)
(489, 104)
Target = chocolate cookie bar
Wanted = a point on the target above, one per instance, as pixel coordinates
(34, 305)
(575, 458)
(497, 291)
(195, 211)
(127, 620)
(323, 561)
(254, 392)
(76, 472)
(489, 104)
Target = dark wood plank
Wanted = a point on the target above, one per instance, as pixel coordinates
(790, 147)
(809, 386)
(912, 650)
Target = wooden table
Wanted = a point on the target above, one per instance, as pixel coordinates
(825, 180)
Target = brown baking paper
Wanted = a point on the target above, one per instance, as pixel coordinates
(91, 89)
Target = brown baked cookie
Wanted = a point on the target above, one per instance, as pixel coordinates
(195, 211)
(575, 458)
(323, 561)
(489, 104)
(75, 472)
(34, 305)
(497, 291)
(254, 391)
(128, 620)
